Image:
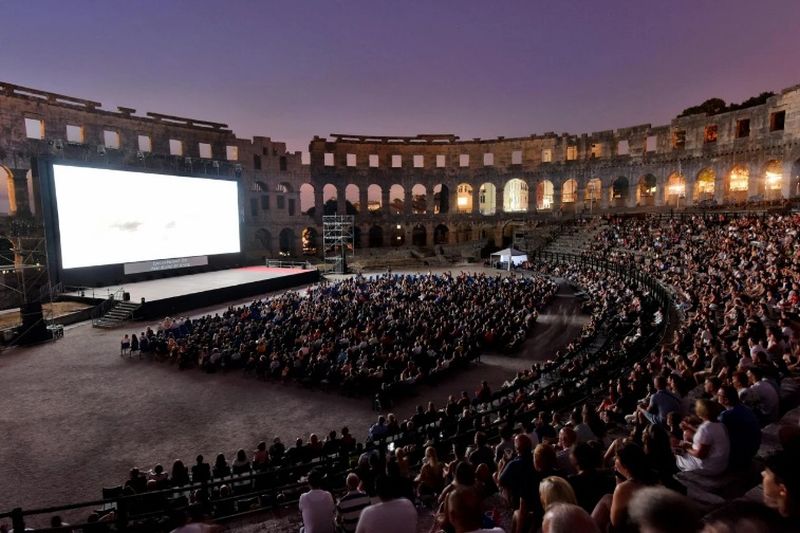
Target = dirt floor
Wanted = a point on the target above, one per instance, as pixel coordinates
(10, 317)
(76, 416)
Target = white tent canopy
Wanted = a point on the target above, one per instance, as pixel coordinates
(515, 256)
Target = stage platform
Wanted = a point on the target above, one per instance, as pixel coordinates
(168, 296)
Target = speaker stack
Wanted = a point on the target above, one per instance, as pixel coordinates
(33, 328)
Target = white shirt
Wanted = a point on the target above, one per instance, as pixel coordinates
(318, 510)
(395, 516)
(715, 436)
(767, 398)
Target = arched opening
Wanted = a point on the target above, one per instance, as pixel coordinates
(773, 180)
(396, 200)
(286, 242)
(515, 196)
(569, 191)
(7, 196)
(419, 199)
(705, 185)
(487, 199)
(619, 191)
(352, 199)
(374, 198)
(544, 195)
(419, 237)
(464, 198)
(330, 200)
(594, 192)
(676, 189)
(646, 190)
(398, 235)
(375, 237)
(441, 199)
(440, 234)
(306, 198)
(464, 233)
(309, 241)
(264, 239)
(737, 184)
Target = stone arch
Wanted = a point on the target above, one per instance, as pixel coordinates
(646, 190)
(464, 198)
(419, 235)
(306, 198)
(375, 237)
(309, 241)
(264, 238)
(374, 198)
(619, 191)
(736, 184)
(441, 199)
(396, 199)
(464, 233)
(515, 196)
(705, 185)
(772, 178)
(8, 197)
(398, 235)
(352, 198)
(594, 191)
(545, 194)
(441, 234)
(330, 199)
(419, 199)
(287, 242)
(487, 199)
(569, 191)
(675, 189)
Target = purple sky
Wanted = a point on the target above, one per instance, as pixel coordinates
(294, 69)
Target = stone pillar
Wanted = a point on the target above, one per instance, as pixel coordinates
(719, 184)
(341, 201)
(557, 190)
(319, 205)
(661, 185)
(20, 191)
(688, 200)
(385, 207)
(407, 199)
(363, 203)
(429, 203)
(788, 180)
(476, 198)
(753, 181)
(605, 194)
(532, 188)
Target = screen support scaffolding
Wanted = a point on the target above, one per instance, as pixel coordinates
(337, 240)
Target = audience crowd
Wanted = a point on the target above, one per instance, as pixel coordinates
(610, 435)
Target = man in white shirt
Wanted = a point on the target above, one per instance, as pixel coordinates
(763, 394)
(317, 507)
(464, 512)
(391, 515)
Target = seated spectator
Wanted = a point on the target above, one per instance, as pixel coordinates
(277, 449)
(349, 506)
(464, 512)
(746, 516)
(709, 450)
(634, 474)
(240, 465)
(482, 453)
(660, 510)
(662, 402)
(743, 428)
(568, 518)
(221, 468)
(317, 506)
(781, 484)
(391, 515)
(430, 480)
(589, 483)
(762, 396)
(260, 457)
(159, 476)
(180, 474)
(554, 489)
(136, 483)
(567, 438)
(201, 471)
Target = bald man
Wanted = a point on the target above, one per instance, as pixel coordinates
(464, 512)
(568, 518)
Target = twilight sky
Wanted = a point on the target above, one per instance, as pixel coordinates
(294, 69)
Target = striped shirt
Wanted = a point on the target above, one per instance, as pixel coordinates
(350, 507)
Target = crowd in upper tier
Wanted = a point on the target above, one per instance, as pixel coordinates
(360, 334)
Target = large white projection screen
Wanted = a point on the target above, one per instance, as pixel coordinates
(112, 216)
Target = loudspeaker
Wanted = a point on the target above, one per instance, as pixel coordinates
(33, 328)
(126, 297)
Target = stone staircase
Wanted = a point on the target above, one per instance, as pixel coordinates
(577, 239)
(119, 314)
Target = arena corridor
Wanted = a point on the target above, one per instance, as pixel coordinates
(80, 416)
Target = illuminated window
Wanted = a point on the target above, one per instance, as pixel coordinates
(679, 139)
(623, 148)
(440, 161)
(419, 161)
(232, 153)
(463, 160)
(175, 147)
(547, 155)
(145, 143)
(651, 143)
(111, 139)
(74, 134)
(569, 191)
(516, 157)
(488, 159)
(351, 160)
(205, 150)
(704, 186)
(572, 153)
(773, 176)
(397, 161)
(328, 160)
(597, 151)
(739, 179)
(373, 161)
(710, 135)
(34, 128)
